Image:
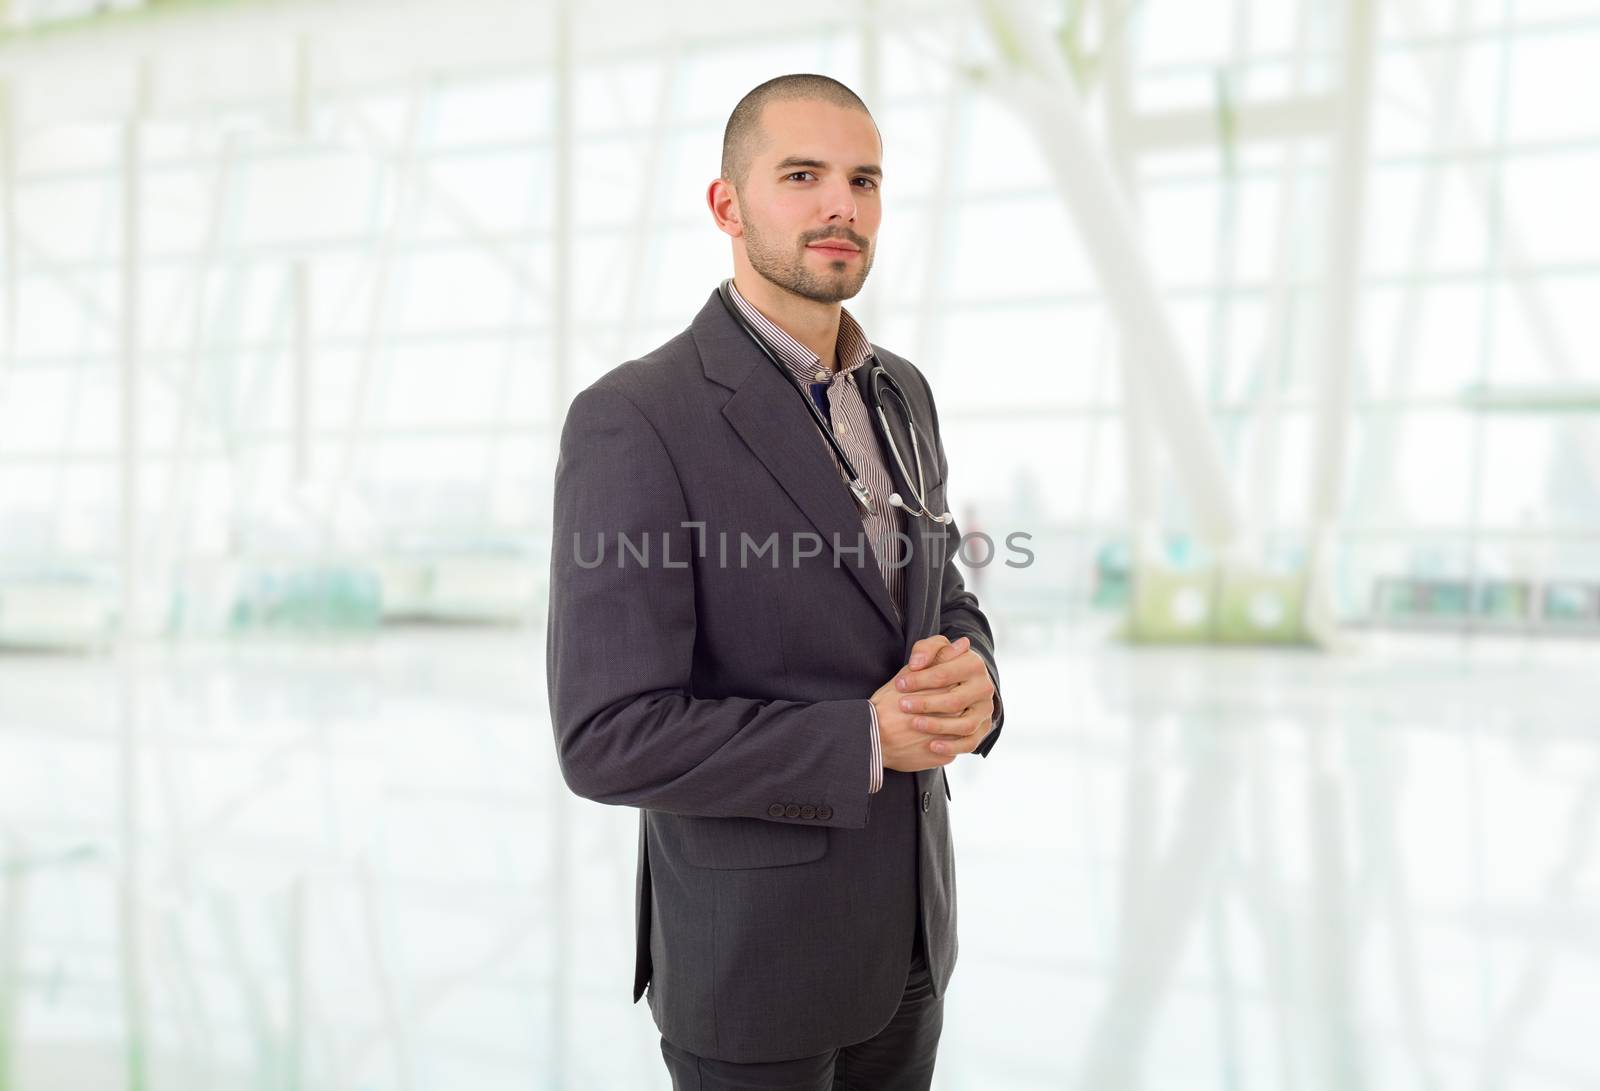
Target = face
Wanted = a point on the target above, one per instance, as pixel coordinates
(810, 206)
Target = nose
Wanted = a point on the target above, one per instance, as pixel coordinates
(840, 202)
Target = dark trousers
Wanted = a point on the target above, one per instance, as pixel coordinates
(898, 1058)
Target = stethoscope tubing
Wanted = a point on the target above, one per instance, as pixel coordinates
(876, 374)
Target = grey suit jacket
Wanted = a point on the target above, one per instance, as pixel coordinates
(728, 702)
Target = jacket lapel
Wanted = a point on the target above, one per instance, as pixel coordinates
(766, 412)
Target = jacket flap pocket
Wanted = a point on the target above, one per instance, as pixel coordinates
(724, 843)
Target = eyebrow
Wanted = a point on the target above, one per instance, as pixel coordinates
(817, 164)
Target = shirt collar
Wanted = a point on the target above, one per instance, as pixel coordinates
(853, 348)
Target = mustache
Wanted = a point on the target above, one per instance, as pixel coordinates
(855, 240)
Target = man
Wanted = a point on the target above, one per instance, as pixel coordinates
(781, 722)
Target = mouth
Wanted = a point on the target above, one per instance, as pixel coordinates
(839, 251)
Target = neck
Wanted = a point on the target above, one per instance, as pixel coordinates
(815, 325)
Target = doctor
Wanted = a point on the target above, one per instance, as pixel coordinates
(758, 637)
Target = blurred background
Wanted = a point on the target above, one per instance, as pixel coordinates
(1273, 324)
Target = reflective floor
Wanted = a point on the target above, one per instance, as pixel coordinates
(353, 865)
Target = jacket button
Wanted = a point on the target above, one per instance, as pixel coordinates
(776, 810)
(792, 811)
(824, 812)
(808, 811)
(927, 801)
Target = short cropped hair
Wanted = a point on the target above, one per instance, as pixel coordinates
(742, 136)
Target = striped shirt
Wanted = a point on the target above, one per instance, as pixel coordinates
(838, 392)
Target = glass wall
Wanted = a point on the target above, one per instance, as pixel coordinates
(342, 293)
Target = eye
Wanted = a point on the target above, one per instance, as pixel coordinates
(797, 173)
(871, 184)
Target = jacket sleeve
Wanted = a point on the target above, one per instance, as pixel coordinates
(620, 646)
(959, 613)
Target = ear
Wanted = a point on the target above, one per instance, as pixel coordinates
(724, 205)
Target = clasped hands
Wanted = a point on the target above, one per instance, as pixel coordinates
(940, 704)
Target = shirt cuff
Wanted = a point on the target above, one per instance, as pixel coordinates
(875, 777)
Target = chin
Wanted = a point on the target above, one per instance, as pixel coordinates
(832, 289)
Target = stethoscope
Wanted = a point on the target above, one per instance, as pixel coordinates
(879, 383)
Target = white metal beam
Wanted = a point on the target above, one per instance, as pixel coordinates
(1267, 401)
(130, 906)
(1138, 437)
(300, 288)
(562, 852)
(9, 312)
(1341, 304)
(128, 394)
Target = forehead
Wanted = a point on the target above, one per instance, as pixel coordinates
(820, 130)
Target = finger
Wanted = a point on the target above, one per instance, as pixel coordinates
(956, 744)
(963, 722)
(956, 669)
(952, 699)
(924, 650)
